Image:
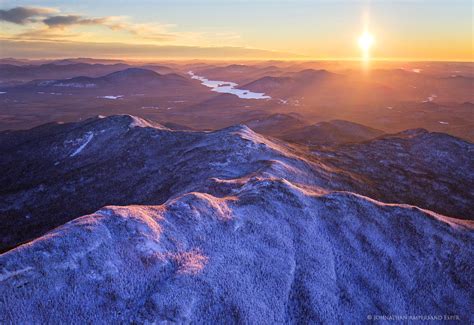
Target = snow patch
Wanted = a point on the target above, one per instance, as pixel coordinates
(111, 97)
(46, 83)
(89, 136)
(138, 122)
(75, 85)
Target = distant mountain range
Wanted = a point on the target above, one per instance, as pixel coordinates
(130, 80)
(67, 61)
(10, 73)
(124, 220)
(239, 73)
(293, 128)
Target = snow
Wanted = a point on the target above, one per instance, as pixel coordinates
(247, 231)
(227, 87)
(142, 123)
(2, 92)
(442, 122)
(416, 70)
(271, 253)
(111, 97)
(89, 137)
(75, 85)
(46, 83)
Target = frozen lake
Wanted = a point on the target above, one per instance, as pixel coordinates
(227, 87)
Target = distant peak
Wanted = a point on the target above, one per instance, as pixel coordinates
(414, 132)
(134, 72)
(313, 72)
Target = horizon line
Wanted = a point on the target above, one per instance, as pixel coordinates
(305, 59)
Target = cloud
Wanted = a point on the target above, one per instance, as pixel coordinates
(24, 15)
(117, 23)
(46, 34)
(67, 20)
(54, 49)
(41, 23)
(50, 23)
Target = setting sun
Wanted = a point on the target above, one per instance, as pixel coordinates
(366, 41)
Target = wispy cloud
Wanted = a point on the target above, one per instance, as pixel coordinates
(43, 23)
(57, 49)
(40, 19)
(46, 34)
(25, 15)
(117, 23)
(152, 31)
(68, 20)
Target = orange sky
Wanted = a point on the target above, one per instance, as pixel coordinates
(299, 29)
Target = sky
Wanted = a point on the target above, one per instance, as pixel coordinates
(248, 29)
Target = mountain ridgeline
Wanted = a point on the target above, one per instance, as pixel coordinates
(121, 219)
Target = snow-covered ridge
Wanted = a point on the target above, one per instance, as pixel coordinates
(268, 242)
(230, 226)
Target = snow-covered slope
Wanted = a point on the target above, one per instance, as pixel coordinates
(225, 226)
(428, 169)
(269, 253)
(60, 172)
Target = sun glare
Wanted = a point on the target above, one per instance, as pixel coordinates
(366, 41)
